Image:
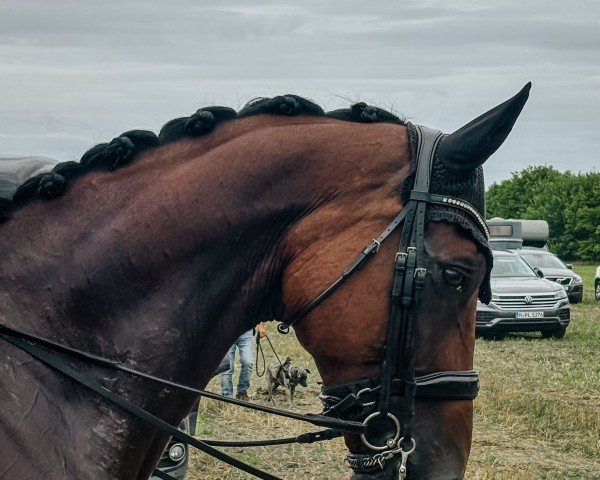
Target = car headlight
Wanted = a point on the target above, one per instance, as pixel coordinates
(176, 452)
(577, 279)
(560, 294)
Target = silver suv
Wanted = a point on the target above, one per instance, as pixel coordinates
(522, 301)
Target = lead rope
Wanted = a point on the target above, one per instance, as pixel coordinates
(281, 365)
(262, 353)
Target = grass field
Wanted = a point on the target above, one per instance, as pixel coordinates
(537, 416)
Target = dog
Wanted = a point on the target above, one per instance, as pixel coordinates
(287, 376)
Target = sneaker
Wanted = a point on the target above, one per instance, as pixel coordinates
(242, 396)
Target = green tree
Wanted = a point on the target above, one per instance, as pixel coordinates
(570, 203)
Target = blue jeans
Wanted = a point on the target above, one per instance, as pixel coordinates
(245, 344)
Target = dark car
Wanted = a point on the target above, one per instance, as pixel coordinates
(522, 301)
(175, 458)
(555, 270)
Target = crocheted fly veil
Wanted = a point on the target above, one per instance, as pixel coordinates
(457, 172)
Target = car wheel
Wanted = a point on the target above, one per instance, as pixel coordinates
(579, 298)
(597, 290)
(558, 333)
(493, 336)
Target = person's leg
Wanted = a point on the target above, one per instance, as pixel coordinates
(246, 345)
(226, 376)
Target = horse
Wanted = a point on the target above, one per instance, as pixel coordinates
(158, 251)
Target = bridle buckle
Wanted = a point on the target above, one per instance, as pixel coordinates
(360, 393)
(377, 244)
(420, 273)
(400, 255)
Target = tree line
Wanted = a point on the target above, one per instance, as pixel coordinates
(569, 202)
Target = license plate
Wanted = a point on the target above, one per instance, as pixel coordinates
(529, 315)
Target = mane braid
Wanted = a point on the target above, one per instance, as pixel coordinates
(363, 113)
(289, 105)
(129, 145)
(200, 123)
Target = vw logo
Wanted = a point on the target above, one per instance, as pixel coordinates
(528, 299)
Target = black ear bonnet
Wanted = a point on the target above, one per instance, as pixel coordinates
(468, 186)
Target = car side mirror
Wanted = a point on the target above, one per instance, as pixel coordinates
(570, 266)
(538, 272)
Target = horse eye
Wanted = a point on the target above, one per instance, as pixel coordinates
(453, 277)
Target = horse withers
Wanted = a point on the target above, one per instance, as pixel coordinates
(159, 257)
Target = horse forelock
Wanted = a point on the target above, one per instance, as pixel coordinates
(130, 145)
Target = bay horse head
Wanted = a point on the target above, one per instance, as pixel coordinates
(352, 338)
(158, 252)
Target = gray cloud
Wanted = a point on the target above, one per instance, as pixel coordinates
(73, 73)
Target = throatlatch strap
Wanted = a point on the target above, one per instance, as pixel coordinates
(363, 257)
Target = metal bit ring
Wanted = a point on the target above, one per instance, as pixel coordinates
(390, 443)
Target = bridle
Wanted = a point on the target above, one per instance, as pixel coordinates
(360, 407)
(387, 408)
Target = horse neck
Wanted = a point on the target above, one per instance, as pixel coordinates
(164, 285)
(187, 241)
(162, 268)
(178, 246)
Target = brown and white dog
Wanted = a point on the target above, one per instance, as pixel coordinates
(287, 376)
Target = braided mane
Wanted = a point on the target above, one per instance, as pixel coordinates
(123, 149)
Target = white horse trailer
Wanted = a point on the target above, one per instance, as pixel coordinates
(515, 233)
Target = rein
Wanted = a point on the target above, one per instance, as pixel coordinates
(46, 351)
(23, 341)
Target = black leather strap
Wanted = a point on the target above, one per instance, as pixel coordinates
(358, 399)
(163, 475)
(304, 438)
(317, 420)
(454, 385)
(428, 140)
(363, 257)
(51, 359)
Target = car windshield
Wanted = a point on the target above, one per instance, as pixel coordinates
(543, 260)
(510, 266)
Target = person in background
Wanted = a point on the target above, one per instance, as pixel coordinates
(245, 344)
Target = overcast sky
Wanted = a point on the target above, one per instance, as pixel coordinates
(73, 73)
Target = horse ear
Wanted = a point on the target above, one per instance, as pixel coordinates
(471, 145)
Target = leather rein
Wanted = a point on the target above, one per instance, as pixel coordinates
(354, 408)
